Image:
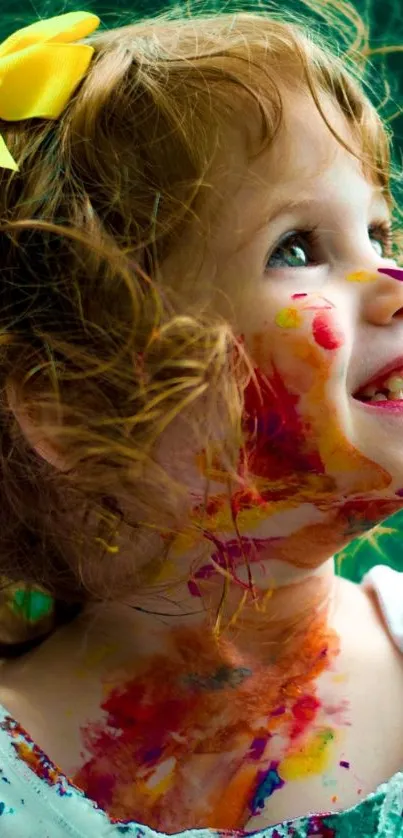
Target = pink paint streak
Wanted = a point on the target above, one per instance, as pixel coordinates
(394, 273)
(230, 555)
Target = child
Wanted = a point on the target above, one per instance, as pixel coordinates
(202, 378)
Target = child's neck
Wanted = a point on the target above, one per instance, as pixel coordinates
(251, 619)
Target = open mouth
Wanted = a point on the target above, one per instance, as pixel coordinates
(388, 387)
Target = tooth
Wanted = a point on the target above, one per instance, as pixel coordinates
(369, 391)
(395, 395)
(395, 382)
(379, 397)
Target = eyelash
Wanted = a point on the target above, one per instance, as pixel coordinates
(386, 235)
(381, 230)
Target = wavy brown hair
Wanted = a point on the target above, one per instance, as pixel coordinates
(100, 354)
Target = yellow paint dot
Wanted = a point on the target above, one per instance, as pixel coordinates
(310, 758)
(288, 318)
(341, 678)
(361, 276)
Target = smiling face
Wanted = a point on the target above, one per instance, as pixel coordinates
(294, 253)
(292, 260)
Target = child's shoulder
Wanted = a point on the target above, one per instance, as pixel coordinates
(361, 700)
(387, 585)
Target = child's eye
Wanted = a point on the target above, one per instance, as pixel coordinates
(295, 250)
(300, 248)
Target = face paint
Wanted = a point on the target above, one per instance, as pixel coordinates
(311, 758)
(326, 335)
(361, 276)
(213, 730)
(288, 318)
(394, 273)
(186, 762)
(297, 467)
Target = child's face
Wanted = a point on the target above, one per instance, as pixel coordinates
(314, 313)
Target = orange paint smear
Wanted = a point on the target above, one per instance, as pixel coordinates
(176, 710)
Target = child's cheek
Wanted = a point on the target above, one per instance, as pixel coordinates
(305, 337)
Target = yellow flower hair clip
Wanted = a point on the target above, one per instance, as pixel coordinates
(40, 69)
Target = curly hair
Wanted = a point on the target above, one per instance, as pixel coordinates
(100, 354)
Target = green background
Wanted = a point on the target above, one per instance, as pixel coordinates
(385, 17)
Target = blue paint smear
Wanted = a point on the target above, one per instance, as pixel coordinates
(2, 807)
(267, 783)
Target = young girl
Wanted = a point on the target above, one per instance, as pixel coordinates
(201, 400)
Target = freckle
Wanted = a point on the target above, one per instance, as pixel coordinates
(359, 791)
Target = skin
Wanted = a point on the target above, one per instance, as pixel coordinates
(321, 468)
(231, 709)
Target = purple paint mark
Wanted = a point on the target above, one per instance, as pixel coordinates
(257, 747)
(279, 711)
(194, 590)
(344, 764)
(394, 273)
(152, 755)
(399, 493)
(230, 555)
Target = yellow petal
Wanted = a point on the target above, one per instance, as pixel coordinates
(40, 81)
(62, 29)
(6, 160)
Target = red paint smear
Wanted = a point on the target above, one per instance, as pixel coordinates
(324, 333)
(162, 700)
(304, 711)
(298, 296)
(277, 438)
(365, 512)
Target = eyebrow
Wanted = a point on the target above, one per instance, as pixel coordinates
(290, 206)
(286, 207)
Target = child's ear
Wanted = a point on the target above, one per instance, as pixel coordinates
(35, 433)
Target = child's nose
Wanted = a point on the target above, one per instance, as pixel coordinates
(383, 302)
